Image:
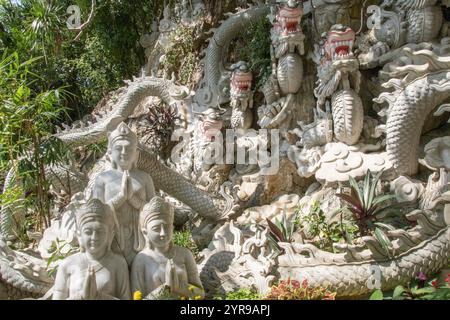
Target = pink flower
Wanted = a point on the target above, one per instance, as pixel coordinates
(422, 276)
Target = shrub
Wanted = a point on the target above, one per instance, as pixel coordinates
(324, 234)
(418, 289)
(243, 294)
(184, 239)
(368, 208)
(294, 290)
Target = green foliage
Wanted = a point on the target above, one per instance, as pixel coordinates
(181, 58)
(255, 49)
(242, 294)
(108, 51)
(294, 290)
(324, 233)
(184, 239)
(368, 208)
(419, 289)
(161, 123)
(280, 231)
(59, 251)
(27, 117)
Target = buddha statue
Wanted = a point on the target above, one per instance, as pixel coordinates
(125, 189)
(163, 266)
(95, 273)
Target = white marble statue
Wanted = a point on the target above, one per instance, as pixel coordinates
(126, 190)
(95, 273)
(162, 265)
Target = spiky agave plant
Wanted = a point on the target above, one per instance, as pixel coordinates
(368, 208)
(280, 231)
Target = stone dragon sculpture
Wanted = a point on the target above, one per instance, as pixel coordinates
(241, 95)
(339, 78)
(420, 80)
(421, 84)
(242, 258)
(287, 66)
(356, 272)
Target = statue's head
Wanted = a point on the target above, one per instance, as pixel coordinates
(122, 147)
(95, 227)
(156, 222)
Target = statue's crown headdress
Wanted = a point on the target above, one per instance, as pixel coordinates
(156, 209)
(122, 132)
(95, 210)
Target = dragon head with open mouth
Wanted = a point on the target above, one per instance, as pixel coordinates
(336, 52)
(339, 43)
(287, 32)
(241, 95)
(289, 17)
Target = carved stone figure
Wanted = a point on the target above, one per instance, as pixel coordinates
(162, 265)
(339, 79)
(420, 80)
(125, 189)
(287, 65)
(330, 12)
(241, 95)
(402, 22)
(96, 273)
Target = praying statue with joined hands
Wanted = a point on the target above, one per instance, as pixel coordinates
(95, 273)
(126, 190)
(162, 265)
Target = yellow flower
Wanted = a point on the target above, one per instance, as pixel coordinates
(182, 298)
(198, 298)
(137, 295)
(191, 288)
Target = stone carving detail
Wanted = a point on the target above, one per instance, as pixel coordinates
(407, 189)
(420, 81)
(403, 22)
(348, 136)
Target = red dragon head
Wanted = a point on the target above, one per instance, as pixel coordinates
(339, 43)
(289, 17)
(241, 79)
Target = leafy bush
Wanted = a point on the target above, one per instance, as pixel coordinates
(28, 115)
(184, 239)
(323, 233)
(368, 208)
(59, 251)
(294, 290)
(419, 289)
(181, 58)
(280, 231)
(243, 294)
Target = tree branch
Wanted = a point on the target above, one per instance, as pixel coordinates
(81, 28)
